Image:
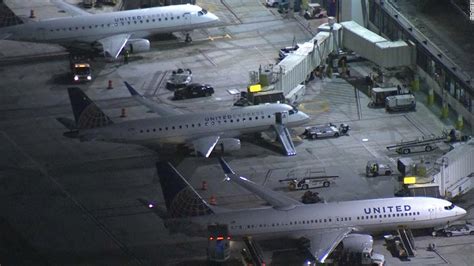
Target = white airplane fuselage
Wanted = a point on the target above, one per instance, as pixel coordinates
(184, 128)
(139, 23)
(372, 215)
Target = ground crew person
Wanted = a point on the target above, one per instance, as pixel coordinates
(126, 56)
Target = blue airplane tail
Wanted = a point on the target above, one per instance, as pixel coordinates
(86, 113)
(180, 198)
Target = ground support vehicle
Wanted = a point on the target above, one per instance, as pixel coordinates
(314, 11)
(328, 130)
(395, 246)
(309, 182)
(419, 145)
(193, 90)
(455, 136)
(378, 95)
(396, 103)
(310, 197)
(81, 70)
(272, 3)
(88, 3)
(457, 229)
(108, 2)
(357, 249)
(179, 78)
(218, 244)
(374, 168)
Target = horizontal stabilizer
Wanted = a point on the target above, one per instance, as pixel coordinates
(68, 123)
(160, 212)
(70, 9)
(132, 91)
(277, 200)
(152, 105)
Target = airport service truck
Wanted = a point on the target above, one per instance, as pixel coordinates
(302, 179)
(378, 95)
(358, 248)
(405, 102)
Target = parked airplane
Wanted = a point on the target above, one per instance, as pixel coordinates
(112, 31)
(203, 130)
(323, 224)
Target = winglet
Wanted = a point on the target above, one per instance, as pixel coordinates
(225, 166)
(132, 91)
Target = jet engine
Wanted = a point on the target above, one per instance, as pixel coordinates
(138, 45)
(229, 144)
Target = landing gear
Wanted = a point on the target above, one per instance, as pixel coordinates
(188, 38)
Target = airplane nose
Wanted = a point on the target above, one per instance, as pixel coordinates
(213, 17)
(305, 117)
(461, 211)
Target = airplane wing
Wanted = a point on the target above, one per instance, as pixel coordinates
(323, 242)
(154, 106)
(71, 9)
(113, 45)
(277, 200)
(205, 145)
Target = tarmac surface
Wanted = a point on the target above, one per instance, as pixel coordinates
(69, 203)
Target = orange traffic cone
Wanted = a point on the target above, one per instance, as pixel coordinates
(109, 87)
(213, 200)
(204, 185)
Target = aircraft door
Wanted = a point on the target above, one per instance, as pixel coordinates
(281, 118)
(187, 18)
(432, 211)
(40, 34)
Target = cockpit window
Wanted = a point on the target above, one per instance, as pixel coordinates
(293, 111)
(202, 12)
(450, 207)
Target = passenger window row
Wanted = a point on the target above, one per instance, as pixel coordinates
(368, 217)
(208, 123)
(116, 24)
(282, 224)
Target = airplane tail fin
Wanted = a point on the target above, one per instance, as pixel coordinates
(86, 113)
(180, 198)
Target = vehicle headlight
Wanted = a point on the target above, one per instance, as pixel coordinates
(89, 77)
(76, 77)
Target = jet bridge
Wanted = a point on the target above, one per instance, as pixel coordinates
(375, 48)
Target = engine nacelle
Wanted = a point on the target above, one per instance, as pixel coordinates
(138, 45)
(229, 144)
(357, 242)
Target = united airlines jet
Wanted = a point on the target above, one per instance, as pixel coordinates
(203, 131)
(325, 225)
(112, 31)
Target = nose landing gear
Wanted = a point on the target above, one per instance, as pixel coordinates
(188, 38)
